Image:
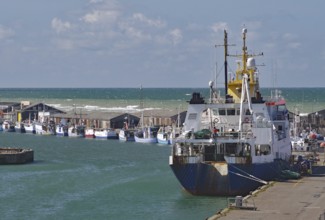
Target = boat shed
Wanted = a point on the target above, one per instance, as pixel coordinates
(118, 121)
(31, 112)
(181, 116)
(97, 119)
(7, 110)
(159, 117)
(314, 121)
(309, 121)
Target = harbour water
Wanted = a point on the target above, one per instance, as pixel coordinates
(95, 179)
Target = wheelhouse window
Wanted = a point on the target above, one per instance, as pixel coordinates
(231, 111)
(262, 149)
(228, 111)
(192, 116)
(238, 149)
(222, 111)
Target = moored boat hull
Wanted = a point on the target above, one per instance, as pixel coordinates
(163, 139)
(222, 179)
(126, 135)
(30, 128)
(76, 131)
(62, 131)
(145, 140)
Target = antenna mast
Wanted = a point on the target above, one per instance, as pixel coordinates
(226, 62)
(225, 45)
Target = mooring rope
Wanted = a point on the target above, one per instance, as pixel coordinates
(250, 175)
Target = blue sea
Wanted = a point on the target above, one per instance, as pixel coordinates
(107, 179)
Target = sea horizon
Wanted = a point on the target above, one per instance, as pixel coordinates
(301, 99)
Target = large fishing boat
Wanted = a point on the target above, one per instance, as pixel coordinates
(233, 145)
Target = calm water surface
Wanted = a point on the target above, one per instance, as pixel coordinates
(95, 179)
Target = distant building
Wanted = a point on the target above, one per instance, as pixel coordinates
(120, 120)
(308, 121)
(97, 119)
(7, 110)
(37, 112)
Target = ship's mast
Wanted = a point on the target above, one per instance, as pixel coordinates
(244, 56)
(246, 66)
(226, 62)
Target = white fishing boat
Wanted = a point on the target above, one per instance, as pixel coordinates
(126, 135)
(146, 134)
(8, 126)
(164, 135)
(76, 131)
(45, 128)
(105, 134)
(62, 130)
(20, 128)
(29, 128)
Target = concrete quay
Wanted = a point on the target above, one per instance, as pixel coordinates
(294, 199)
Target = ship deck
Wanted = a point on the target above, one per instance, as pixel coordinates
(294, 199)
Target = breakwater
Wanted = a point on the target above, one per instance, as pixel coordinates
(16, 156)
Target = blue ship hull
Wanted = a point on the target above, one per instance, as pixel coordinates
(205, 179)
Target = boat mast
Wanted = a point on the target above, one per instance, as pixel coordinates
(141, 106)
(226, 62)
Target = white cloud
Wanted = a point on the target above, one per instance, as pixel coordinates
(150, 22)
(289, 36)
(60, 26)
(294, 45)
(5, 32)
(252, 25)
(176, 36)
(65, 44)
(95, 1)
(133, 32)
(292, 40)
(219, 27)
(99, 16)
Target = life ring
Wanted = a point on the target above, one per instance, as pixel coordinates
(246, 120)
(216, 120)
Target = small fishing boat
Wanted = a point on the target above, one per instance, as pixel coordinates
(164, 135)
(146, 135)
(111, 134)
(29, 128)
(76, 131)
(45, 128)
(105, 134)
(89, 133)
(20, 128)
(126, 135)
(8, 126)
(62, 130)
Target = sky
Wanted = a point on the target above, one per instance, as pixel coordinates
(154, 43)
